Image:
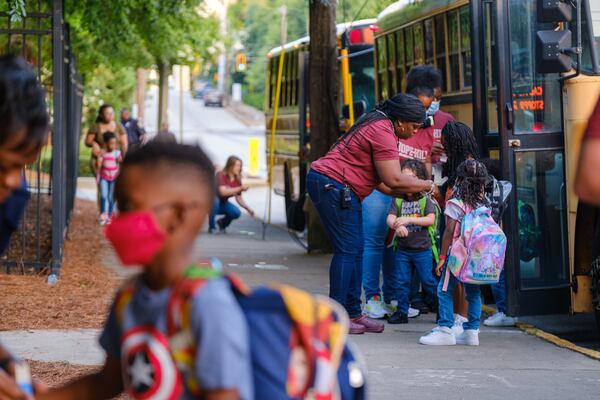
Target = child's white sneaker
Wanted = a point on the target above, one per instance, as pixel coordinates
(457, 327)
(413, 312)
(439, 336)
(374, 308)
(500, 319)
(469, 337)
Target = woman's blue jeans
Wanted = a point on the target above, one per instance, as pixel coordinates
(345, 230)
(223, 207)
(446, 306)
(374, 214)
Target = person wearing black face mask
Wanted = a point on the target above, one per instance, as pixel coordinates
(23, 132)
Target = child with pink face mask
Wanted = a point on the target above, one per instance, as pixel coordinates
(165, 192)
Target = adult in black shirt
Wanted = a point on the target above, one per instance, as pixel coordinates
(135, 133)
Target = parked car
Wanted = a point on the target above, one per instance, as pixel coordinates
(214, 98)
(200, 89)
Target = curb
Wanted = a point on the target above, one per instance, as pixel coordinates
(548, 337)
(555, 340)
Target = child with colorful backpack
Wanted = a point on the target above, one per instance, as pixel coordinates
(472, 252)
(165, 192)
(413, 219)
(182, 329)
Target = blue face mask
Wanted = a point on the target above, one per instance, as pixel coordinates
(433, 108)
(11, 212)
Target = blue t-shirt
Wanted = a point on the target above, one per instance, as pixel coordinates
(222, 360)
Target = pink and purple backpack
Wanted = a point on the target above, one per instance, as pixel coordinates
(478, 248)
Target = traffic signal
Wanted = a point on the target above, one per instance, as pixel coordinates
(240, 62)
(554, 47)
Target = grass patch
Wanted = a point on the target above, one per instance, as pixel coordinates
(85, 153)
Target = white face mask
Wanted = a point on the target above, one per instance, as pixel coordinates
(433, 108)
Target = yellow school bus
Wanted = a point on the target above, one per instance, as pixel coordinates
(528, 106)
(292, 134)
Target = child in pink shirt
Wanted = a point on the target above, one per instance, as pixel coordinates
(108, 170)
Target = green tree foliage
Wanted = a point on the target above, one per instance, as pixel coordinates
(256, 24)
(112, 38)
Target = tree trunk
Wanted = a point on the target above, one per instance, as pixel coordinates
(323, 89)
(163, 94)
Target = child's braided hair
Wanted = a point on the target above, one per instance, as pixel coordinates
(471, 179)
(459, 144)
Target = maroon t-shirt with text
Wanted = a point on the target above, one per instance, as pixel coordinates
(223, 180)
(419, 146)
(352, 160)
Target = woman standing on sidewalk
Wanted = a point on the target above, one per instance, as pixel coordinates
(364, 158)
(105, 122)
(229, 184)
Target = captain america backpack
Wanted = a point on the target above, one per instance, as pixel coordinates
(298, 341)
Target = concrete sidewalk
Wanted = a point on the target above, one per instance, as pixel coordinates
(507, 364)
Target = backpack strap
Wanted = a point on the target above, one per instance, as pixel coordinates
(182, 344)
(432, 229)
(398, 201)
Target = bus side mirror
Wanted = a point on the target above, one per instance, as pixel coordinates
(554, 47)
(359, 109)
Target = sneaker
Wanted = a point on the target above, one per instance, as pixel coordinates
(459, 320)
(469, 337)
(356, 329)
(369, 324)
(439, 336)
(220, 224)
(421, 306)
(413, 312)
(500, 319)
(103, 219)
(398, 318)
(390, 308)
(374, 308)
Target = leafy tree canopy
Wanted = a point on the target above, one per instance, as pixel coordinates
(256, 25)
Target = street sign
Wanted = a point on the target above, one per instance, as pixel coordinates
(254, 156)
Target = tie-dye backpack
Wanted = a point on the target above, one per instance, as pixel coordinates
(477, 252)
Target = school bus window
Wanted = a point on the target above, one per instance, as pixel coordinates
(465, 46)
(454, 40)
(429, 41)
(400, 60)
(440, 46)
(410, 47)
(381, 66)
(419, 48)
(391, 65)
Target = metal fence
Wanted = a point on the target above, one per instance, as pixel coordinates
(42, 38)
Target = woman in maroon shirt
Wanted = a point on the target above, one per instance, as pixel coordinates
(229, 184)
(364, 158)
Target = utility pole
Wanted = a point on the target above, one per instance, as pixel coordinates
(323, 89)
(222, 57)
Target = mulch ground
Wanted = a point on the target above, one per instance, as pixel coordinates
(59, 373)
(82, 295)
